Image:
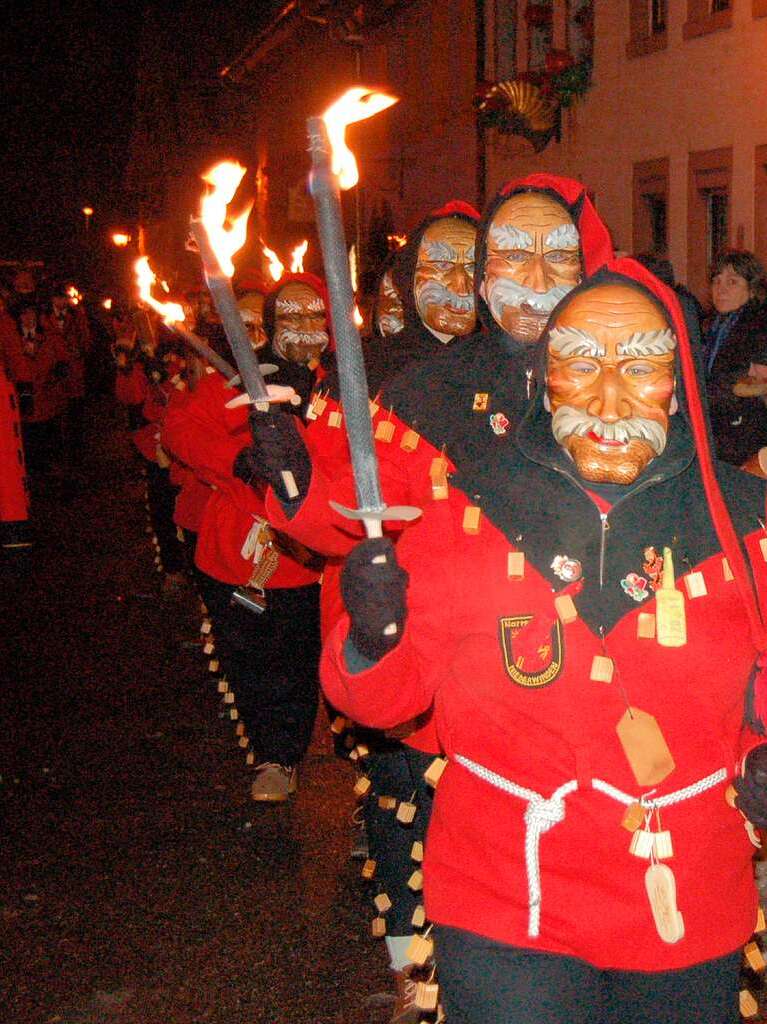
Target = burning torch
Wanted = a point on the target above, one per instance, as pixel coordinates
(326, 140)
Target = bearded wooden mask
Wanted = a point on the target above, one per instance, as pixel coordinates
(252, 312)
(300, 323)
(610, 382)
(390, 316)
(443, 284)
(533, 260)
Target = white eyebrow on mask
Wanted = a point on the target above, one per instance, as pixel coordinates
(506, 236)
(437, 251)
(567, 342)
(563, 237)
(648, 343)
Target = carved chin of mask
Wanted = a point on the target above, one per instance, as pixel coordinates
(615, 452)
(299, 346)
(520, 310)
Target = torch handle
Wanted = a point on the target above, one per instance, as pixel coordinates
(194, 341)
(221, 292)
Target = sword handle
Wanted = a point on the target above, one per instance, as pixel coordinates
(374, 528)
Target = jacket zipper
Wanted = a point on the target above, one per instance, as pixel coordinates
(602, 546)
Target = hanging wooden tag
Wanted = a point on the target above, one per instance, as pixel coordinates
(754, 957)
(644, 746)
(223, 686)
(761, 924)
(439, 486)
(384, 431)
(373, 406)
(661, 892)
(515, 565)
(434, 772)
(362, 750)
(157, 560)
(335, 419)
(243, 741)
(418, 920)
(338, 725)
(387, 803)
(670, 618)
(695, 584)
(471, 519)
(406, 812)
(646, 626)
(633, 817)
(353, 755)
(378, 927)
(642, 843)
(602, 669)
(565, 609)
(763, 546)
(664, 848)
(234, 714)
(209, 647)
(240, 730)
(206, 627)
(362, 785)
(415, 882)
(229, 697)
(420, 949)
(416, 851)
(213, 665)
(481, 400)
(410, 440)
(382, 903)
(727, 571)
(319, 405)
(747, 1004)
(426, 995)
(368, 869)
(250, 757)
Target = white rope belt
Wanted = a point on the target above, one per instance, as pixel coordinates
(541, 814)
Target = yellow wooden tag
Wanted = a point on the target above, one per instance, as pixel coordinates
(670, 618)
(664, 848)
(727, 571)
(565, 609)
(415, 882)
(481, 399)
(426, 995)
(602, 669)
(387, 803)
(368, 869)
(763, 546)
(362, 785)
(374, 407)
(378, 927)
(229, 697)
(420, 949)
(362, 750)
(748, 1005)
(240, 730)
(471, 519)
(434, 772)
(644, 746)
(234, 714)
(633, 817)
(206, 626)
(243, 741)
(646, 626)
(416, 851)
(382, 903)
(335, 419)
(209, 647)
(319, 405)
(223, 686)
(384, 431)
(418, 920)
(696, 585)
(438, 476)
(642, 843)
(754, 957)
(213, 665)
(250, 757)
(761, 924)
(515, 565)
(410, 440)
(406, 812)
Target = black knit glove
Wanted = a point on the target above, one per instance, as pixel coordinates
(277, 447)
(374, 593)
(751, 787)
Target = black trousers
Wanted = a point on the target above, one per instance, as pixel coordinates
(271, 661)
(484, 981)
(161, 495)
(396, 770)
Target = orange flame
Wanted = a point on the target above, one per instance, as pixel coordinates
(107, 303)
(171, 312)
(357, 316)
(353, 267)
(120, 239)
(225, 241)
(297, 257)
(74, 295)
(276, 268)
(356, 104)
(88, 211)
(400, 241)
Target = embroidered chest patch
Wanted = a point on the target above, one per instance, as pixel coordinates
(533, 649)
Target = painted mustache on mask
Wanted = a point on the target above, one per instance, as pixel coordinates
(567, 421)
(435, 294)
(502, 293)
(299, 340)
(390, 323)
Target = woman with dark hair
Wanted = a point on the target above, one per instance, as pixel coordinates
(735, 347)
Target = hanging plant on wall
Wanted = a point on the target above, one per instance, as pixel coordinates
(519, 108)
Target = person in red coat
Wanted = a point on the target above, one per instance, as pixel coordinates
(36, 361)
(583, 862)
(14, 497)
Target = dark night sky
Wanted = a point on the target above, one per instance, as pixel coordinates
(68, 81)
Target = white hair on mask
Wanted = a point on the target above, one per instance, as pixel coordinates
(568, 421)
(435, 250)
(563, 237)
(432, 293)
(288, 306)
(567, 342)
(504, 293)
(648, 343)
(506, 236)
